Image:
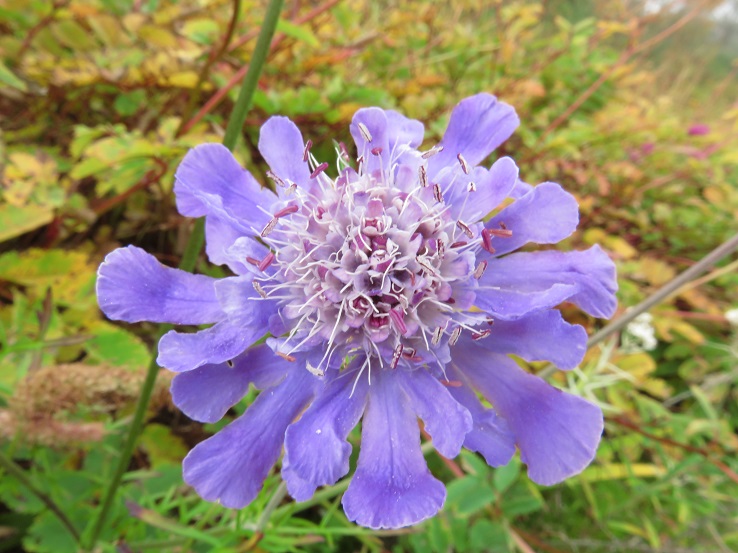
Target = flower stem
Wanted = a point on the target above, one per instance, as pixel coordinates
(668, 290)
(192, 251)
(19, 474)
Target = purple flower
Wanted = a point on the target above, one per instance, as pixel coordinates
(698, 129)
(386, 295)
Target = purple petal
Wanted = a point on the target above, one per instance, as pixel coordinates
(490, 434)
(281, 144)
(557, 433)
(181, 352)
(210, 181)
(219, 237)
(133, 286)
(540, 336)
(206, 393)
(392, 135)
(546, 215)
(492, 187)
(478, 125)
(509, 303)
(392, 486)
(445, 419)
(521, 189)
(590, 273)
(316, 450)
(231, 466)
(244, 306)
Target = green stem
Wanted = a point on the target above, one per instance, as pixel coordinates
(192, 251)
(19, 474)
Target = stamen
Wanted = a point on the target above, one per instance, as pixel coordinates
(276, 179)
(268, 260)
(437, 194)
(286, 211)
(464, 227)
(365, 132)
(440, 247)
(454, 336)
(462, 162)
(317, 371)
(459, 244)
(376, 151)
(396, 356)
(344, 151)
(501, 232)
(437, 335)
(253, 261)
(433, 151)
(319, 169)
(452, 383)
(423, 176)
(479, 271)
(360, 159)
(487, 240)
(286, 357)
(306, 151)
(259, 289)
(269, 227)
(481, 334)
(471, 187)
(398, 317)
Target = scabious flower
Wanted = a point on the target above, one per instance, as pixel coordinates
(386, 294)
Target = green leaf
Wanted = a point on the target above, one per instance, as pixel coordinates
(469, 495)
(487, 535)
(162, 447)
(505, 476)
(8, 77)
(117, 347)
(15, 221)
(298, 32)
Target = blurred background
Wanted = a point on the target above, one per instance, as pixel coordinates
(631, 105)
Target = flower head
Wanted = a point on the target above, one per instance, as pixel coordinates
(386, 294)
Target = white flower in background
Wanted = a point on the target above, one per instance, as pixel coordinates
(640, 335)
(732, 316)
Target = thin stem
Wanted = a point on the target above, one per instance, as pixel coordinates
(19, 474)
(274, 501)
(671, 288)
(246, 94)
(192, 251)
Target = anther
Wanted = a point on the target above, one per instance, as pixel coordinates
(490, 321)
(286, 357)
(487, 240)
(306, 151)
(276, 179)
(501, 232)
(286, 211)
(398, 319)
(479, 271)
(433, 151)
(437, 194)
(319, 169)
(376, 151)
(481, 334)
(437, 335)
(462, 162)
(269, 227)
(365, 132)
(452, 383)
(440, 247)
(454, 336)
(268, 260)
(396, 356)
(253, 261)
(465, 228)
(471, 187)
(229, 363)
(259, 289)
(317, 371)
(458, 244)
(423, 176)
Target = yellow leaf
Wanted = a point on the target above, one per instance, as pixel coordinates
(617, 471)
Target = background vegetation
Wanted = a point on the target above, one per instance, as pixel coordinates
(630, 105)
